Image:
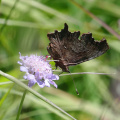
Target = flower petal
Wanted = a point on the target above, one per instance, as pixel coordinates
(55, 77)
(31, 83)
(41, 83)
(31, 79)
(53, 83)
(47, 83)
(25, 77)
(38, 76)
(20, 63)
(31, 70)
(23, 69)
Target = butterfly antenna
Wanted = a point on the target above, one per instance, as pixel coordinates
(74, 83)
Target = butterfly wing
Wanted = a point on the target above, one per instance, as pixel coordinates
(66, 47)
(56, 50)
(84, 49)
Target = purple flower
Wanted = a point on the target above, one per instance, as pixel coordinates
(38, 70)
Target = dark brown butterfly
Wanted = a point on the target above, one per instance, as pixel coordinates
(65, 47)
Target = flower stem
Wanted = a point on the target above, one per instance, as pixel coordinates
(13, 79)
(88, 73)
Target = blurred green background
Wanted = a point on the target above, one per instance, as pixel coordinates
(24, 27)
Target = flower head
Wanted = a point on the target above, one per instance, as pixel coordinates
(38, 70)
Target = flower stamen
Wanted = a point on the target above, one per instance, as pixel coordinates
(38, 70)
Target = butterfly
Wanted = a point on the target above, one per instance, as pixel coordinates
(67, 49)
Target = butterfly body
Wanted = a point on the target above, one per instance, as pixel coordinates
(61, 61)
(65, 47)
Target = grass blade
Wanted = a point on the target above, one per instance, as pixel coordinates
(108, 28)
(5, 96)
(20, 107)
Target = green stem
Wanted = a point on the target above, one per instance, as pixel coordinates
(35, 93)
(94, 73)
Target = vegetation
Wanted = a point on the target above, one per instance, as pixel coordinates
(24, 25)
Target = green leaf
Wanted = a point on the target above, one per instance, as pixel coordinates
(5, 95)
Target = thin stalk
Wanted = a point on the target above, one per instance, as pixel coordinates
(8, 16)
(87, 73)
(36, 94)
(21, 104)
(108, 28)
